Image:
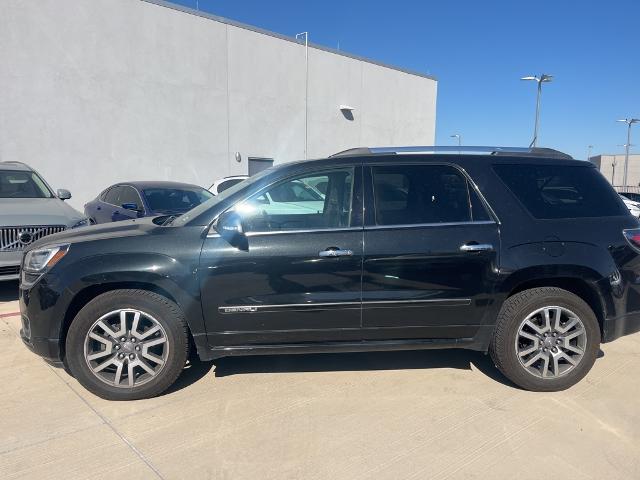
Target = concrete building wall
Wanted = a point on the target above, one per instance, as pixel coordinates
(612, 167)
(100, 91)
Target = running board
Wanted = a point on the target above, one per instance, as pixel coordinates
(340, 347)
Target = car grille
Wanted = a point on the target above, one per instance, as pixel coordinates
(15, 239)
(11, 270)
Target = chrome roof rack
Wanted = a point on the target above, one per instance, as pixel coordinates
(452, 150)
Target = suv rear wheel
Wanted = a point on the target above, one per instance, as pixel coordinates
(127, 344)
(546, 339)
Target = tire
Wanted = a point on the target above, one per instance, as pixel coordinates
(519, 338)
(142, 359)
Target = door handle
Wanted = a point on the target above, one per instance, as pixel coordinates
(476, 247)
(335, 252)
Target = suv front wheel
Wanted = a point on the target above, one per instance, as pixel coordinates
(127, 344)
(546, 339)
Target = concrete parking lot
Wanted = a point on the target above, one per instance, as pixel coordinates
(435, 415)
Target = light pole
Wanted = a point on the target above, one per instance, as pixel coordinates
(629, 122)
(459, 137)
(540, 80)
(589, 147)
(306, 88)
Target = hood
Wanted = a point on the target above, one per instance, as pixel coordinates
(16, 212)
(125, 228)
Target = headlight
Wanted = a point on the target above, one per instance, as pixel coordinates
(85, 222)
(40, 259)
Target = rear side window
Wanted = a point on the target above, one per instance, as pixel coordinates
(423, 194)
(561, 191)
(112, 196)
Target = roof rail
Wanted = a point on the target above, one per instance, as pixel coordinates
(521, 151)
(15, 162)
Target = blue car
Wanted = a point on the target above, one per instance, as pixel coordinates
(124, 201)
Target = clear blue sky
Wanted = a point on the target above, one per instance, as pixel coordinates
(478, 50)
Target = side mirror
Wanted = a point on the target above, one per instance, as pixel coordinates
(230, 227)
(131, 206)
(63, 194)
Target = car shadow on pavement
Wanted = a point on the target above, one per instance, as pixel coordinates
(365, 361)
(9, 291)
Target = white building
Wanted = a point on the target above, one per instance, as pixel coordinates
(100, 91)
(612, 167)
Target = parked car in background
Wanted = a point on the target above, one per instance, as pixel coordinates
(29, 211)
(631, 196)
(221, 185)
(525, 254)
(633, 206)
(125, 201)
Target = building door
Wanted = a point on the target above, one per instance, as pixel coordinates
(257, 164)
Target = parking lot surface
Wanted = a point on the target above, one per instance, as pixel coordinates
(433, 414)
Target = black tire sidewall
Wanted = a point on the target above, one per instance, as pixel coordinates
(163, 310)
(505, 349)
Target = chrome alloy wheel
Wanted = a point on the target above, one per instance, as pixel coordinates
(551, 342)
(126, 348)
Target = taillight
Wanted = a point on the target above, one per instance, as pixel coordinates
(633, 238)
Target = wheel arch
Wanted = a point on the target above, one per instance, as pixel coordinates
(89, 293)
(580, 281)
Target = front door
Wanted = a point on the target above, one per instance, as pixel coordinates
(296, 275)
(430, 254)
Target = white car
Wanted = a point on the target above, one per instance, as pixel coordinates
(634, 207)
(221, 185)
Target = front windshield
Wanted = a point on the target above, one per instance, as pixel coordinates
(203, 207)
(21, 184)
(169, 200)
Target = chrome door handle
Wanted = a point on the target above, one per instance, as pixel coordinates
(335, 252)
(476, 247)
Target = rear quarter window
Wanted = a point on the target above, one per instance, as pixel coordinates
(561, 191)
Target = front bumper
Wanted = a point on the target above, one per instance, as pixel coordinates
(10, 265)
(42, 310)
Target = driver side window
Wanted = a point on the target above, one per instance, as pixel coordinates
(297, 204)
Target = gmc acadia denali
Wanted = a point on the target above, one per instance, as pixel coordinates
(525, 254)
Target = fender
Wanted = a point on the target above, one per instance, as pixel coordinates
(90, 276)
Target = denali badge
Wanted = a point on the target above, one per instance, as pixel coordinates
(238, 309)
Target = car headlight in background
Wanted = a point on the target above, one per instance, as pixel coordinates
(85, 222)
(38, 260)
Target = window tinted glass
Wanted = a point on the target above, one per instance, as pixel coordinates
(560, 191)
(414, 194)
(478, 210)
(19, 184)
(295, 204)
(129, 195)
(175, 200)
(112, 195)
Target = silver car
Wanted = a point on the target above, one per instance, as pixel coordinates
(29, 210)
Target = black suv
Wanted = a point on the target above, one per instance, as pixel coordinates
(527, 254)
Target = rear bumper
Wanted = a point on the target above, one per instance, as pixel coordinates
(617, 327)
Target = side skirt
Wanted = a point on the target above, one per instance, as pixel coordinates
(476, 343)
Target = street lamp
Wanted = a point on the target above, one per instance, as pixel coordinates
(629, 122)
(540, 80)
(306, 88)
(459, 137)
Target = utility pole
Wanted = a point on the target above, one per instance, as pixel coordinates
(306, 89)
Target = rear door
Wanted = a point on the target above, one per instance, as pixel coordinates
(430, 253)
